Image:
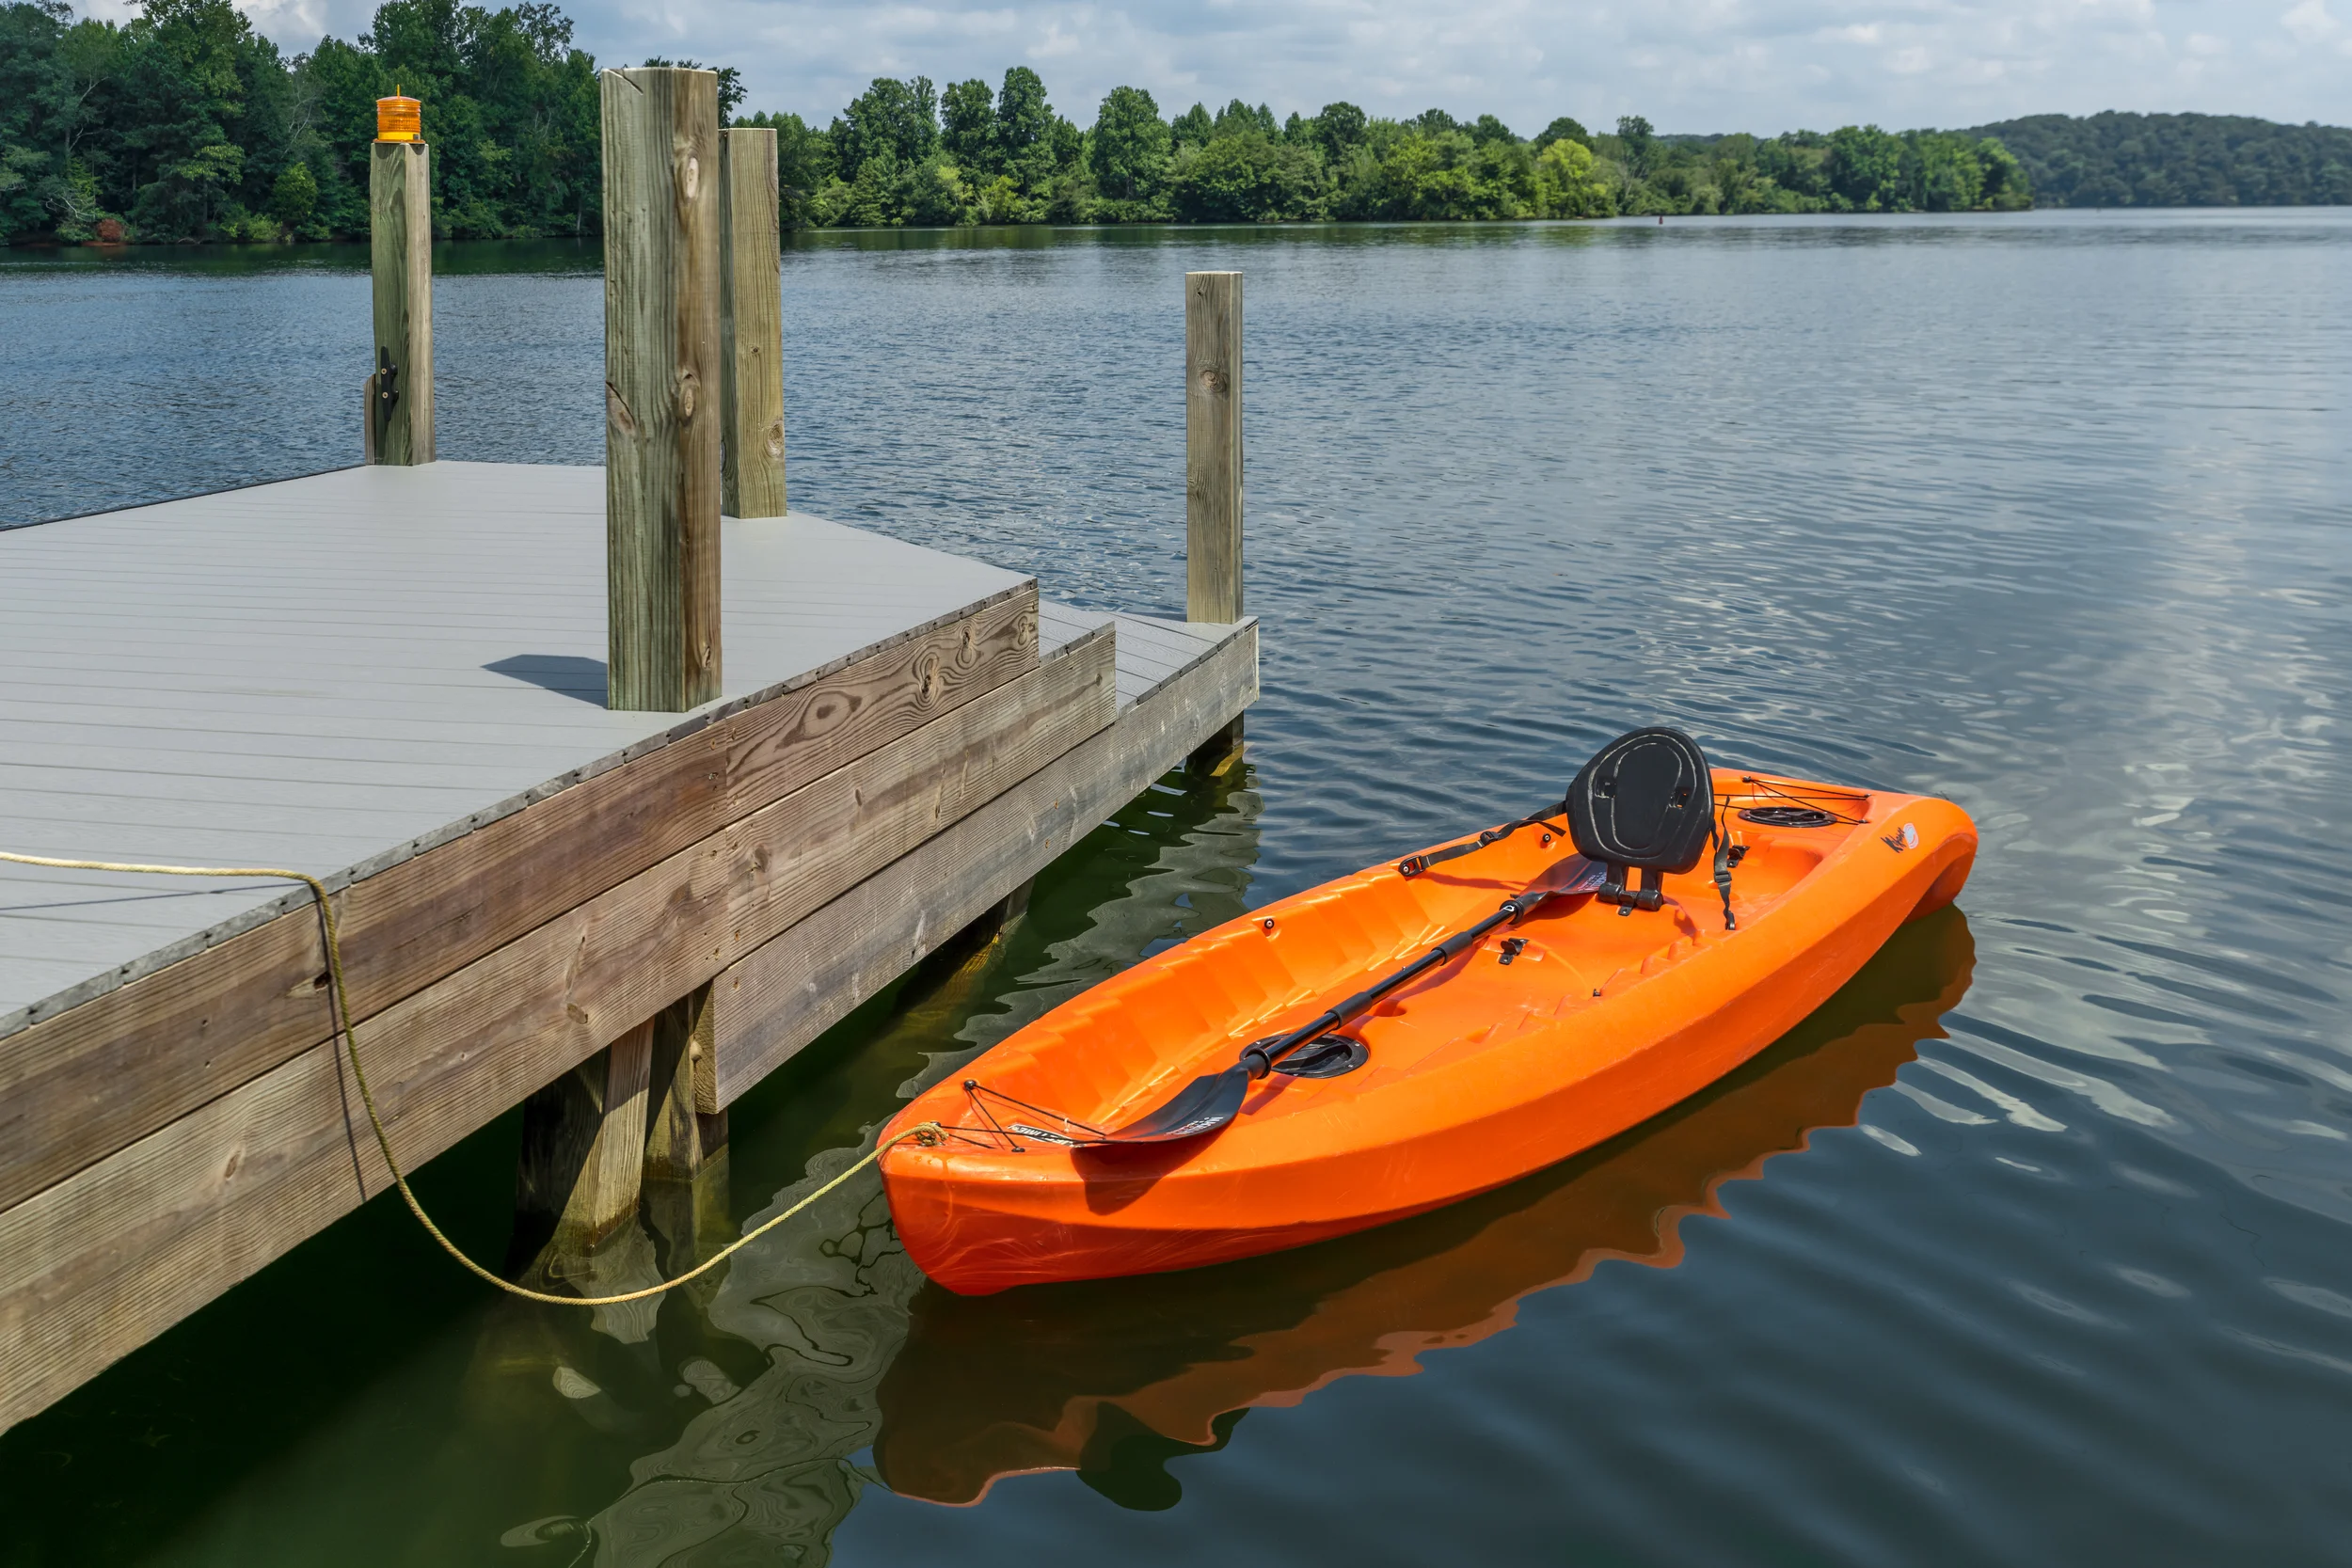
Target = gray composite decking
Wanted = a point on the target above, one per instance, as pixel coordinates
(336, 673)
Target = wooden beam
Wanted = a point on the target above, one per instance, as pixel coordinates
(662, 373)
(681, 1140)
(751, 325)
(101, 1262)
(1218, 754)
(400, 255)
(1213, 456)
(773, 1001)
(686, 1151)
(95, 1078)
(583, 1154)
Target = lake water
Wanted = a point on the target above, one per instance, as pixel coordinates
(2033, 1246)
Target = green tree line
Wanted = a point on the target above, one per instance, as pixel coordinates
(2118, 160)
(183, 123)
(905, 152)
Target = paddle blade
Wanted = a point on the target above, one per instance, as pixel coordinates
(1202, 1106)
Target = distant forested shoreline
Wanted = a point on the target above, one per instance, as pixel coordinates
(183, 124)
(903, 153)
(2118, 160)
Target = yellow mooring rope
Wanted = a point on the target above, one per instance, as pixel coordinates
(382, 1140)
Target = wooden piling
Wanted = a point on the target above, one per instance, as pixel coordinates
(400, 247)
(1213, 459)
(751, 325)
(662, 394)
(686, 1203)
(584, 1147)
(681, 1141)
(1213, 474)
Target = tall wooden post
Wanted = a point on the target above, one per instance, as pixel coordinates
(1213, 446)
(400, 247)
(751, 325)
(1213, 467)
(662, 397)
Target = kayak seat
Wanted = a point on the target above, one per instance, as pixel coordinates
(1646, 803)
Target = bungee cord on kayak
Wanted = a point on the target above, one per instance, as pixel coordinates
(1628, 808)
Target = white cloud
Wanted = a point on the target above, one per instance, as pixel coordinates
(1693, 65)
(2309, 22)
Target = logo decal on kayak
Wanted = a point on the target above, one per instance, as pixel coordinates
(1907, 839)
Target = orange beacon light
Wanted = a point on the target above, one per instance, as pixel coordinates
(397, 118)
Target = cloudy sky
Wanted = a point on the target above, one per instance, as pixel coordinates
(1689, 64)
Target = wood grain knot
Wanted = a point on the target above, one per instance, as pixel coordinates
(616, 412)
(931, 680)
(1214, 382)
(775, 440)
(1025, 635)
(691, 177)
(688, 386)
(826, 712)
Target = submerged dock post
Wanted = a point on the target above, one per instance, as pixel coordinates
(685, 1148)
(663, 391)
(1213, 472)
(751, 325)
(400, 253)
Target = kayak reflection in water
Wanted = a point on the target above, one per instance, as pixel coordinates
(1110, 1378)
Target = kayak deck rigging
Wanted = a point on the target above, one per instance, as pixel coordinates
(1590, 954)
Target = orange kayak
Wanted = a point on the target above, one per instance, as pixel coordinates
(1544, 1037)
(1059, 1379)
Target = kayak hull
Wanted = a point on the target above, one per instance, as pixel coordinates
(1477, 1075)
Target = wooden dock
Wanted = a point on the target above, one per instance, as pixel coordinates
(620, 801)
(393, 678)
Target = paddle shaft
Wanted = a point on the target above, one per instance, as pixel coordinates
(1261, 1059)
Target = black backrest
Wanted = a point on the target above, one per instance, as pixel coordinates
(1643, 801)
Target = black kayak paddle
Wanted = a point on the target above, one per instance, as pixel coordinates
(1213, 1099)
